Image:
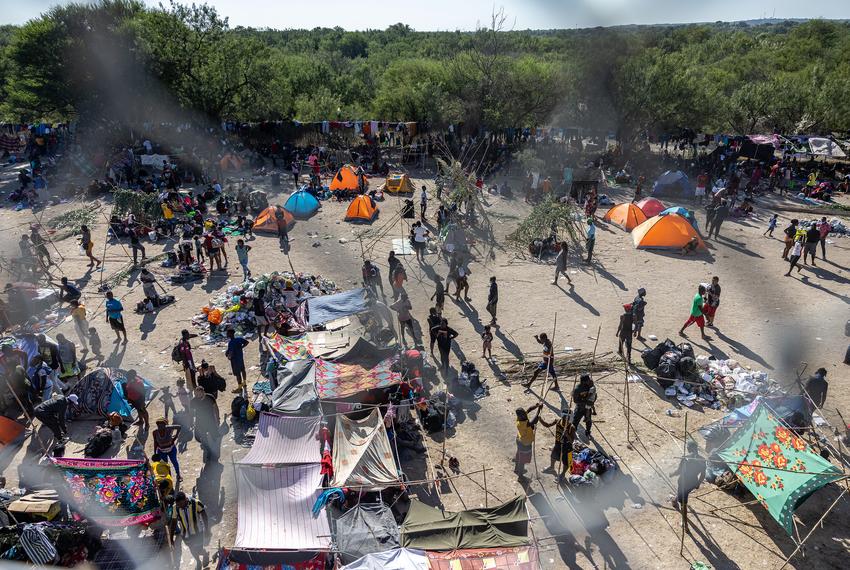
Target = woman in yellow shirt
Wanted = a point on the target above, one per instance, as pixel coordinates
(525, 437)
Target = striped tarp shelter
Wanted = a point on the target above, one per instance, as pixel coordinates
(285, 440)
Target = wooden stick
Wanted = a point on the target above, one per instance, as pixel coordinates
(683, 505)
(595, 344)
(486, 493)
(814, 528)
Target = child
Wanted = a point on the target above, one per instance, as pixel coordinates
(199, 250)
(94, 341)
(182, 393)
(771, 225)
(167, 399)
(487, 343)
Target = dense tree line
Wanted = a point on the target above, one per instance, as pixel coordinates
(117, 60)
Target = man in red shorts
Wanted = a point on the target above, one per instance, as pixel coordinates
(696, 313)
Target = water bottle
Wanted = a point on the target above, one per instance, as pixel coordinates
(673, 413)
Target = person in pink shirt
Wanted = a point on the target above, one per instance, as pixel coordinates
(824, 228)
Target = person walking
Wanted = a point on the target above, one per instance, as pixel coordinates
(445, 335)
(810, 248)
(372, 278)
(423, 202)
(493, 300)
(81, 325)
(720, 215)
(591, 239)
(790, 233)
(405, 320)
(584, 399)
(639, 312)
(115, 317)
(184, 352)
(40, 247)
(135, 392)
(796, 252)
(235, 353)
(561, 264)
(691, 472)
(696, 313)
(487, 343)
(259, 309)
(165, 442)
(88, 245)
(205, 423)
(824, 228)
(771, 225)
(712, 301)
(242, 255)
(439, 296)
(136, 246)
(624, 333)
(562, 450)
(189, 520)
(434, 320)
(817, 387)
(525, 437)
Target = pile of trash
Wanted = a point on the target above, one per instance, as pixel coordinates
(838, 227)
(284, 297)
(704, 380)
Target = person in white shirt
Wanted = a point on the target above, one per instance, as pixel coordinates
(148, 146)
(420, 240)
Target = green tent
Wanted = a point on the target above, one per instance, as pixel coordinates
(775, 465)
(428, 528)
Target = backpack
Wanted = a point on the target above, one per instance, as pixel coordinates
(216, 243)
(236, 406)
(176, 355)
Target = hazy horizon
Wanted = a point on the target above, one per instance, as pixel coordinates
(445, 15)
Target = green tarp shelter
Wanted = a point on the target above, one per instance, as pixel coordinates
(428, 528)
(775, 465)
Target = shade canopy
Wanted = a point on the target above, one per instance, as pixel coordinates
(776, 465)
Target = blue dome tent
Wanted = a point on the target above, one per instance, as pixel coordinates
(301, 204)
(687, 214)
(673, 183)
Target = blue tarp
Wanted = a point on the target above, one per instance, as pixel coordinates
(327, 308)
(301, 204)
(687, 214)
(673, 183)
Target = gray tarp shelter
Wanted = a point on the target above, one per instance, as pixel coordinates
(365, 529)
(428, 528)
(296, 387)
(328, 308)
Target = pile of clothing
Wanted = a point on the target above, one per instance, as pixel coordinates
(590, 467)
(285, 294)
(48, 543)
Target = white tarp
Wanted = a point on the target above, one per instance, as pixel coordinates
(825, 147)
(362, 456)
(398, 559)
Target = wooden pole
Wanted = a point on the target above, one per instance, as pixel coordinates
(595, 344)
(627, 404)
(683, 504)
(486, 493)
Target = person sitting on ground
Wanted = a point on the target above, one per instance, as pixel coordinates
(691, 246)
(68, 292)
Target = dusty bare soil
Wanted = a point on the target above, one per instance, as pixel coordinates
(766, 321)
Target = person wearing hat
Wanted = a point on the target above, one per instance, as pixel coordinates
(165, 442)
(51, 413)
(624, 333)
(584, 398)
(562, 450)
(691, 472)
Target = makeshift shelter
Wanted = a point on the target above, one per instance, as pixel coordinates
(301, 205)
(685, 213)
(397, 559)
(628, 216)
(428, 528)
(235, 559)
(339, 346)
(365, 529)
(362, 456)
(519, 558)
(230, 161)
(285, 440)
(361, 209)
(673, 183)
(651, 206)
(762, 152)
(111, 492)
(100, 393)
(348, 178)
(321, 310)
(334, 380)
(270, 220)
(397, 184)
(665, 232)
(295, 387)
(825, 147)
(275, 508)
(775, 465)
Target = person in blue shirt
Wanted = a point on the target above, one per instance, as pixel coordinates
(114, 316)
(234, 352)
(591, 239)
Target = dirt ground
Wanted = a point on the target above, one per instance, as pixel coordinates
(766, 321)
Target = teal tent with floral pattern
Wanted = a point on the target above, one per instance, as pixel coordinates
(776, 465)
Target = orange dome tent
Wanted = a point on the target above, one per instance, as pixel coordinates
(651, 206)
(361, 209)
(267, 220)
(347, 179)
(671, 231)
(628, 216)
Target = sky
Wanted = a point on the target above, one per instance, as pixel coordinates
(468, 14)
